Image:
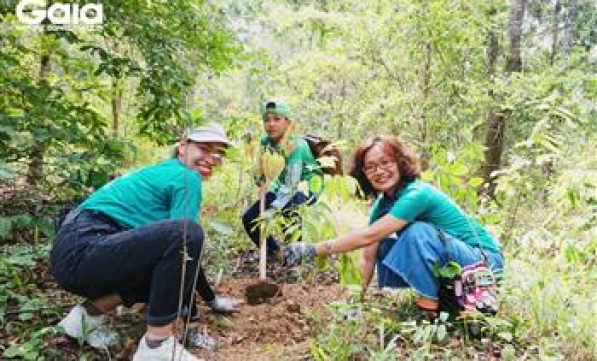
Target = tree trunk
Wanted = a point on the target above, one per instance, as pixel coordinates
(495, 122)
(117, 93)
(514, 62)
(496, 119)
(555, 32)
(38, 151)
(569, 28)
(426, 87)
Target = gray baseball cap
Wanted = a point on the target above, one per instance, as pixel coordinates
(210, 133)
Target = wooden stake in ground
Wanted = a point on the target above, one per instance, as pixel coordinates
(262, 238)
(272, 165)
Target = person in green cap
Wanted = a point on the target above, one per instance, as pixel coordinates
(300, 165)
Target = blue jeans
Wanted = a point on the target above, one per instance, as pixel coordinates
(93, 257)
(251, 215)
(407, 261)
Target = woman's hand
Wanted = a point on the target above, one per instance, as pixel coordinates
(297, 253)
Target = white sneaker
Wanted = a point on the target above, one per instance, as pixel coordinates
(164, 352)
(197, 339)
(78, 324)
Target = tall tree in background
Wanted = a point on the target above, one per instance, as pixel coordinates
(555, 31)
(571, 15)
(38, 149)
(496, 121)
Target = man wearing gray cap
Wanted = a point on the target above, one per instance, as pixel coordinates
(126, 244)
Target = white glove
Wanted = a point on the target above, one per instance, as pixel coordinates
(223, 305)
(297, 253)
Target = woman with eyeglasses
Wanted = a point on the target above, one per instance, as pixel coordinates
(300, 164)
(138, 240)
(412, 225)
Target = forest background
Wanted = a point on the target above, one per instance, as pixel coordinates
(499, 98)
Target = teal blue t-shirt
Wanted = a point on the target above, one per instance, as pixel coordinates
(420, 201)
(167, 190)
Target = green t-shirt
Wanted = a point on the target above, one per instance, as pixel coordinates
(300, 154)
(167, 190)
(420, 201)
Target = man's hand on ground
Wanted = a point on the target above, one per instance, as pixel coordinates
(223, 305)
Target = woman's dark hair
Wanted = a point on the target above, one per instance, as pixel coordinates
(408, 162)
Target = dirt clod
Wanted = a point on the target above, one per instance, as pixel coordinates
(293, 307)
(261, 292)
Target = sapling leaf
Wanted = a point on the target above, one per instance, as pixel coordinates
(24, 316)
(223, 229)
(12, 352)
(437, 269)
(451, 270)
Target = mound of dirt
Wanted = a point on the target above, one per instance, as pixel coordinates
(268, 331)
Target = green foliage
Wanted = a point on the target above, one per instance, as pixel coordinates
(553, 302)
(323, 221)
(17, 269)
(22, 308)
(51, 113)
(317, 224)
(56, 85)
(31, 349)
(388, 327)
(26, 216)
(450, 270)
(7, 224)
(329, 345)
(551, 278)
(166, 67)
(451, 172)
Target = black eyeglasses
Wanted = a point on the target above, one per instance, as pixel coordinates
(371, 167)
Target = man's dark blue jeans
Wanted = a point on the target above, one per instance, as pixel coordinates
(251, 215)
(93, 257)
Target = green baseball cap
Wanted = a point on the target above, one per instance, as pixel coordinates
(276, 107)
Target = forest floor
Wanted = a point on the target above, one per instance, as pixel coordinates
(285, 327)
(278, 329)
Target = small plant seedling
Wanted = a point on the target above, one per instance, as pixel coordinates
(271, 166)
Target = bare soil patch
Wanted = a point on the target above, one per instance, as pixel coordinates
(270, 331)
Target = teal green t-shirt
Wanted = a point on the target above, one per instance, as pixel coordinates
(300, 154)
(420, 201)
(167, 190)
